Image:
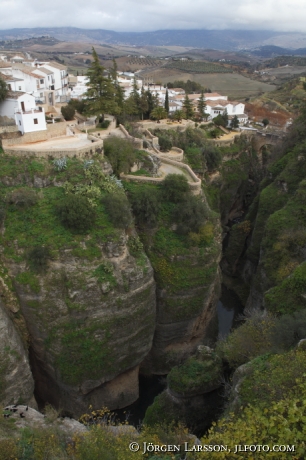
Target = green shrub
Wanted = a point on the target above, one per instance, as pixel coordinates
(135, 245)
(251, 339)
(22, 197)
(38, 258)
(104, 124)
(175, 188)
(212, 156)
(165, 143)
(190, 215)
(120, 153)
(145, 205)
(2, 215)
(266, 381)
(118, 210)
(68, 112)
(79, 106)
(289, 330)
(195, 375)
(75, 212)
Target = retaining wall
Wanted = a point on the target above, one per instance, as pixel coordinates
(195, 186)
(9, 129)
(137, 143)
(53, 130)
(88, 151)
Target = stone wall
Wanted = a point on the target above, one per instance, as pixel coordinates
(92, 149)
(164, 125)
(194, 184)
(137, 143)
(8, 129)
(53, 130)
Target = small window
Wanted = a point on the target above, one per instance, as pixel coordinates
(42, 80)
(20, 122)
(9, 87)
(19, 88)
(35, 121)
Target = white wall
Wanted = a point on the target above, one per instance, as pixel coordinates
(17, 85)
(7, 108)
(31, 121)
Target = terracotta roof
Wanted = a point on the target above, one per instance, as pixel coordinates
(27, 70)
(9, 77)
(14, 94)
(221, 102)
(44, 70)
(212, 95)
(57, 65)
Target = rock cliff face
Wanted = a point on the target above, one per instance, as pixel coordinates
(89, 335)
(90, 314)
(16, 381)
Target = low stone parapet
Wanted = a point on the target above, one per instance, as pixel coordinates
(137, 143)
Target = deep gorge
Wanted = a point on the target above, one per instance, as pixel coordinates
(148, 294)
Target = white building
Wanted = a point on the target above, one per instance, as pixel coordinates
(21, 107)
(13, 84)
(77, 86)
(28, 117)
(60, 76)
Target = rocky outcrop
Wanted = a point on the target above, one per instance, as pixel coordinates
(186, 317)
(193, 390)
(16, 381)
(91, 324)
(27, 417)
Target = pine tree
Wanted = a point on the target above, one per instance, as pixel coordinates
(100, 96)
(201, 105)
(187, 106)
(167, 101)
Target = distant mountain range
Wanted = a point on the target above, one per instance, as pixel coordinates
(216, 39)
(269, 51)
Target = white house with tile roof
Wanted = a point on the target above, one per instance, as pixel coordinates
(13, 84)
(21, 107)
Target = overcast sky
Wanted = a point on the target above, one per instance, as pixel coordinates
(145, 15)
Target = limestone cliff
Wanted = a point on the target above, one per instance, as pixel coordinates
(16, 381)
(90, 313)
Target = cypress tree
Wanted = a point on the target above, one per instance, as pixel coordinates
(188, 107)
(167, 101)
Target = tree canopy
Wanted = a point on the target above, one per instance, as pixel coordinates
(3, 90)
(101, 90)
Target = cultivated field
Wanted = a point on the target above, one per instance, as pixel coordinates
(198, 67)
(233, 84)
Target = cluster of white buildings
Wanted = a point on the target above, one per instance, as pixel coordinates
(31, 82)
(215, 103)
(35, 85)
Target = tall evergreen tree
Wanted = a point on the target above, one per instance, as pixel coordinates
(100, 95)
(143, 103)
(167, 101)
(114, 70)
(135, 95)
(3, 90)
(188, 107)
(202, 105)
